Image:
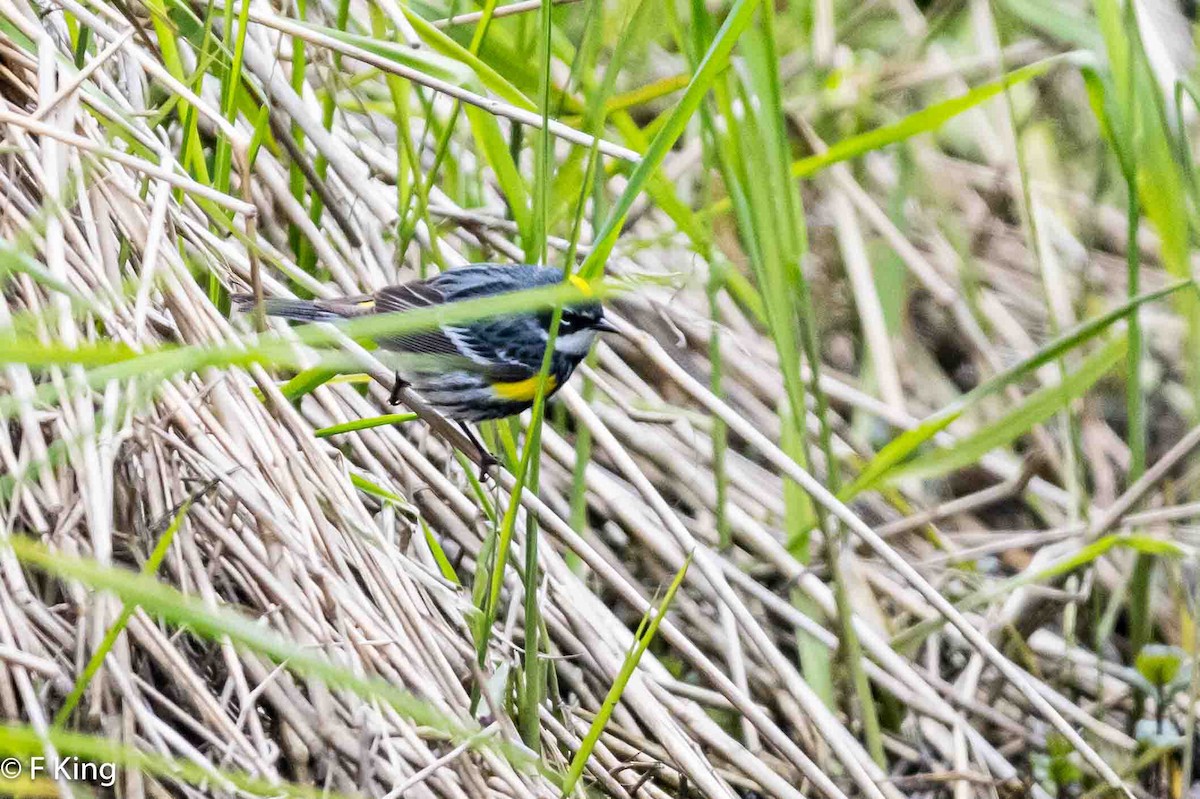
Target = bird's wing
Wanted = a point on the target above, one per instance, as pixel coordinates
(474, 343)
(406, 297)
(349, 307)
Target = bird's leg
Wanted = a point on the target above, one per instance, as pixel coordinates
(486, 459)
(397, 387)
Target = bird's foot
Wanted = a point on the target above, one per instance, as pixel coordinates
(397, 388)
(487, 462)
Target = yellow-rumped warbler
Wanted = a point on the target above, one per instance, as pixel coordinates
(469, 372)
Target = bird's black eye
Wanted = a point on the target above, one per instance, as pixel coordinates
(569, 322)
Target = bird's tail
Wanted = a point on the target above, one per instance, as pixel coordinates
(298, 310)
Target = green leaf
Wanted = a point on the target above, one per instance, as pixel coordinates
(262, 129)
(925, 120)
(378, 491)
(713, 63)
(488, 77)
(1067, 22)
(898, 449)
(901, 447)
(1148, 545)
(306, 382)
(1090, 553)
(1159, 663)
(490, 141)
(1086, 555)
(34, 352)
(1109, 116)
(1034, 409)
(439, 555)
(646, 632)
(15, 262)
(111, 634)
(1063, 770)
(427, 63)
(217, 624)
(365, 424)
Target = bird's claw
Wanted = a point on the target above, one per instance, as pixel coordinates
(397, 389)
(487, 462)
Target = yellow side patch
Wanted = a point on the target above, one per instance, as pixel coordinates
(581, 284)
(522, 390)
(367, 303)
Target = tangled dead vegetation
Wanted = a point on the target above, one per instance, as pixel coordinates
(146, 432)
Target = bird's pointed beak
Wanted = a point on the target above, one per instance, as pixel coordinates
(605, 326)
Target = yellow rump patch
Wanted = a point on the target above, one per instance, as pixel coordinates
(581, 284)
(367, 303)
(522, 390)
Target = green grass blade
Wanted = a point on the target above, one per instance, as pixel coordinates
(272, 349)
(714, 61)
(489, 78)
(306, 257)
(533, 685)
(217, 624)
(379, 492)
(491, 143)
(923, 121)
(439, 554)
(646, 633)
(364, 424)
(900, 448)
(230, 90)
(114, 631)
(1085, 556)
(427, 62)
(306, 382)
(1034, 409)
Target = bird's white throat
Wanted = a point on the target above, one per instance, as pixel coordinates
(575, 343)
